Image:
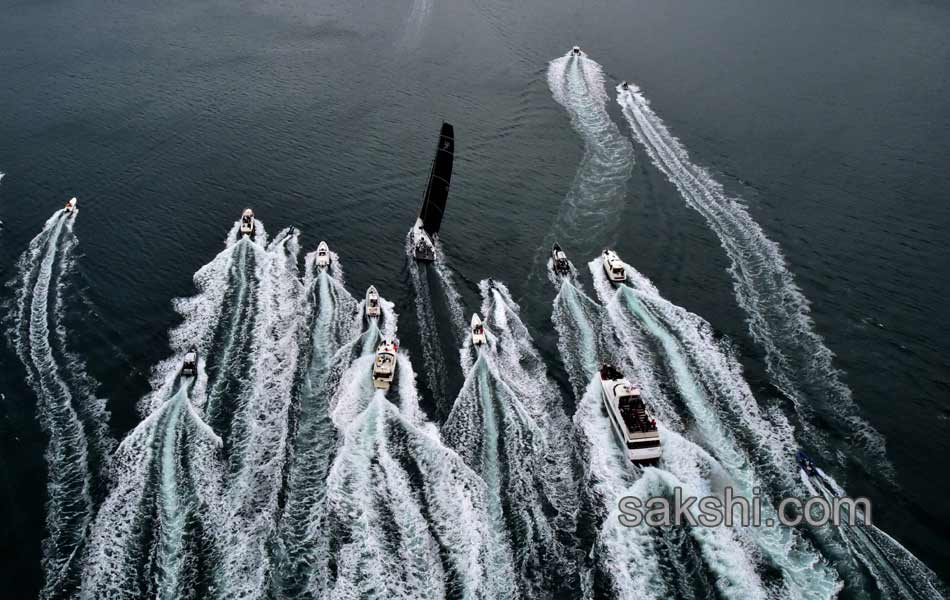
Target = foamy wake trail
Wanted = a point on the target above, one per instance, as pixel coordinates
(75, 420)
(725, 417)
(778, 313)
(334, 319)
(416, 21)
(896, 572)
(156, 533)
(430, 333)
(258, 440)
(509, 425)
(636, 563)
(160, 531)
(644, 562)
(579, 322)
(212, 322)
(405, 516)
(597, 193)
(452, 297)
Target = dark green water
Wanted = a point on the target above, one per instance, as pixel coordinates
(831, 122)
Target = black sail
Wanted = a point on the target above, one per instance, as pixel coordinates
(437, 190)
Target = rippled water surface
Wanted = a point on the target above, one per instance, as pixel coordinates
(776, 178)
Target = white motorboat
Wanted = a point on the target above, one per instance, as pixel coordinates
(614, 267)
(247, 222)
(384, 367)
(323, 255)
(372, 302)
(576, 51)
(189, 366)
(71, 206)
(478, 331)
(634, 427)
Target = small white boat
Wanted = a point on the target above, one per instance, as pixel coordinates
(624, 86)
(614, 267)
(478, 331)
(633, 426)
(189, 366)
(576, 51)
(323, 255)
(384, 367)
(70, 206)
(247, 222)
(372, 302)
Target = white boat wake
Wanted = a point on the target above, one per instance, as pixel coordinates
(76, 421)
(522, 455)
(723, 415)
(597, 194)
(646, 562)
(579, 322)
(334, 319)
(257, 447)
(406, 518)
(778, 313)
(157, 532)
(416, 22)
(640, 562)
(161, 530)
(431, 333)
(896, 572)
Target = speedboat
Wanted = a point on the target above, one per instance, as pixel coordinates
(70, 206)
(806, 464)
(632, 425)
(478, 331)
(614, 267)
(323, 255)
(384, 367)
(425, 231)
(562, 266)
(189, 366)
(372, 302)
(576, 51)
(625, 86)
(247, 222)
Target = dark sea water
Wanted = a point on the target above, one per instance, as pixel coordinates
(829, 121)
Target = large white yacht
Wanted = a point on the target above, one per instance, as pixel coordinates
(634, 427)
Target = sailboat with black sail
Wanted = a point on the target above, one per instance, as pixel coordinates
(425, 232)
